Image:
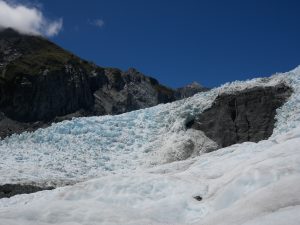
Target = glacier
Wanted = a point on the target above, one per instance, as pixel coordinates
(132, 168)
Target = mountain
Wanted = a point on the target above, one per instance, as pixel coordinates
(189, 90)
(42, 83)
(163, 165)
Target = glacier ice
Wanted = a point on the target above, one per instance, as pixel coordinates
(84, 148)
(130, 173)
(242, 184)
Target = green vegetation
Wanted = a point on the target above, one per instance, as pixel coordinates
(44, 55)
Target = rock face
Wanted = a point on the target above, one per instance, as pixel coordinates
(248, 115)
(41, 83)
(9, 190)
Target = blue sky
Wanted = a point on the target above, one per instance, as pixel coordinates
(181, 41)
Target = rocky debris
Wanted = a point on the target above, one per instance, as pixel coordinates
(42, 83)
(198, 198)
(247, 115)
(9, 190)
(9, 127)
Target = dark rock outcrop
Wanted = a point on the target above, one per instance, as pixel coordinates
(198, 198)
(9, 190)
(42, 83)
(247, 115)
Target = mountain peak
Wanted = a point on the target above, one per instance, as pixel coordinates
(194, 84)
(190, 90)
(9, 32)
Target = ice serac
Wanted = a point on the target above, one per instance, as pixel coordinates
(42, 83)
(247, 115)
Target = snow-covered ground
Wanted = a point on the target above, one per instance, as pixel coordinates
(126, 164)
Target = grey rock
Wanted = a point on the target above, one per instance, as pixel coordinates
(198, 198)
(247, 115)
(9, 190)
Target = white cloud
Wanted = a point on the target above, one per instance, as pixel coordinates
(54, 27)
(27, 19)
(98, 23)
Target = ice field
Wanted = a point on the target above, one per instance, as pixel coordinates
(133, 168)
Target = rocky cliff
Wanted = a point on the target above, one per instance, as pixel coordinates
(247, 115)
(41, 83)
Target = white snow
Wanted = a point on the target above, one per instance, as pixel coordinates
(129, 178)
